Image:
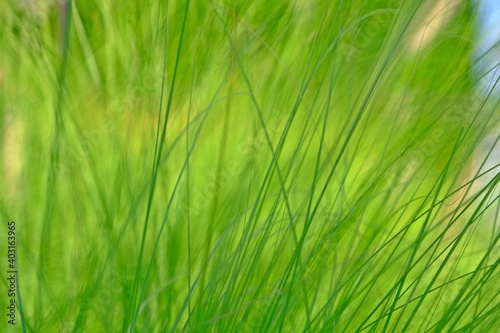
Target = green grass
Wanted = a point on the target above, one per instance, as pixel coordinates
(247, 166)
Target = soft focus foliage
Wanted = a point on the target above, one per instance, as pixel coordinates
(248, 166)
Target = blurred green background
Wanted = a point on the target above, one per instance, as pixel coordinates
(228, 166)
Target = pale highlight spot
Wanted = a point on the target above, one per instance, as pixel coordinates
(12, 153)
(430, 21)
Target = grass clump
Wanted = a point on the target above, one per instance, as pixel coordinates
(249, 166)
